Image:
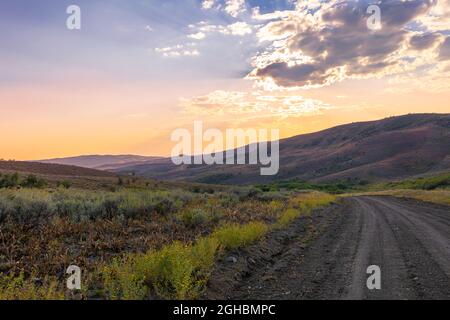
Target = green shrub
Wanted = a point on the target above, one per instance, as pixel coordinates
(9, 180)
(31, 181)
(424, 183)
(64, 184)
(193, 218)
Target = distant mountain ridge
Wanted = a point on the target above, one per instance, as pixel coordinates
(392, 148)
(100, 162)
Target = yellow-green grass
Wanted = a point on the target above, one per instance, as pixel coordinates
(177, 271)
(18, 288)
(303, 205)
(435, 196)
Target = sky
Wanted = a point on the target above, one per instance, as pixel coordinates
(139, 69)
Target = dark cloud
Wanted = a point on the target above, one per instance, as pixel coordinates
(444, 50)
(344, 46)
(423, 41)
(396, 13)
(300, 75)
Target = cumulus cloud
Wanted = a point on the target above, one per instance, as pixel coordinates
(231, 7)
(235, 7)
(207, 4)
(323, 42)
(258, 103)
(438, 18)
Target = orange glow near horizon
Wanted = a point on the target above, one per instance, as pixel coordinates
(49, 122)
(136, 70)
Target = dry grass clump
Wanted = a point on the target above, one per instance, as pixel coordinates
(302, 205)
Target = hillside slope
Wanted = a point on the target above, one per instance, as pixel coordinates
(100, 162)
(51, 169)
(392, 148)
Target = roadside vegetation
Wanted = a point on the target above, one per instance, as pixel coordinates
(299, 185)
(144, 240)
(441, 181)
(131, 242)
(431, 188)
(435, 196)
(14, 180)
(181, 271)
(434, 189)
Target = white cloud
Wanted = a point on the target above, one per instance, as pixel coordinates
(259, 103)
(238, 29)
(202, 29)
(438, 18)
(323, 42)
(178, 51)
(235, 7)
(208, 4)
(197, 36)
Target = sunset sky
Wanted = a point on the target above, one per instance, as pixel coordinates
(139, 69)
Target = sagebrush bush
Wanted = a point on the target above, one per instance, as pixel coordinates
(31, 181)
(31, 204)
(9, 180)
(193, 218)
(64, 184)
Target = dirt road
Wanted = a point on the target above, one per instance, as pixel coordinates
(326, 256)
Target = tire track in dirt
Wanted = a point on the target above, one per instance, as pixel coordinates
(326, 256)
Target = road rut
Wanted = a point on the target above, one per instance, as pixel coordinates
(326, 256)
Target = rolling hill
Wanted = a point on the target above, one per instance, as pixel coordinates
(388, 149)
(100, 162)
(54, 174)
(51, 169)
